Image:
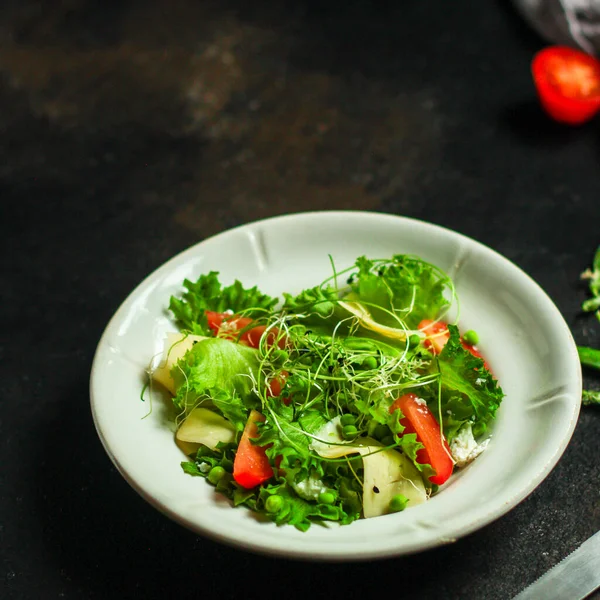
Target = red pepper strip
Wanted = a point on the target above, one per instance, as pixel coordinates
(567, 83)
(420, 420)
(251, 466)
(254, 335)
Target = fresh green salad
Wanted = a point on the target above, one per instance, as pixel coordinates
(352, 399)
(590, 357)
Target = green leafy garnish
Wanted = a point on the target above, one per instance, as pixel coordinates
(208, 294)
(590, 357)
(404, 290)
(409, 445)
(469, 392)
(591, 397)
(287, 435)
(593, 275)
(285, 506)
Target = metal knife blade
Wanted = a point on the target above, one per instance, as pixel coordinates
(573, 578)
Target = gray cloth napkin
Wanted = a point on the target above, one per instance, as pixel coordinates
(570, 22)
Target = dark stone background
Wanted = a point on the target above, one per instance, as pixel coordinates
(132, 130)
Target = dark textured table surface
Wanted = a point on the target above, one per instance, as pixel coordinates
(130, 133)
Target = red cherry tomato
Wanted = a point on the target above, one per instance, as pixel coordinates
(567, 83)
(420, 420)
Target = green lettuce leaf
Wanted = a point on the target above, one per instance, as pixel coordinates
(321, 300)
(469, 392)
(289, 437)
(318, 307)
(407, 286)
(409, 445)
(221, 372)
(208, 294)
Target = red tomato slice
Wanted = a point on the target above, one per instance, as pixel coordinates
(275, 386)
(214, 320)
(567, 83)
(251, 466)
(474, 351)
(437, 335)
(254, 335)
(420, 420)
(228, 326)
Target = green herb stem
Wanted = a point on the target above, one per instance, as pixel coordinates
(589, 357)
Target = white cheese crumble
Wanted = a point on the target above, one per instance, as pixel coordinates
(420, 401)
(204, 467)
(464, 448)
(309, 488)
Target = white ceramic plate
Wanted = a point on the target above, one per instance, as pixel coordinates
(523, 336)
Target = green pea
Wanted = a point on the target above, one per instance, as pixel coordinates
(215, 475)
(348, 419)
(274, 503)
(370, 362)
(414, 340)
(326, 498)
(381, 431)
(398, 503)
(279, 354)
(387, 440)
(349, 431)
(471, 337)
